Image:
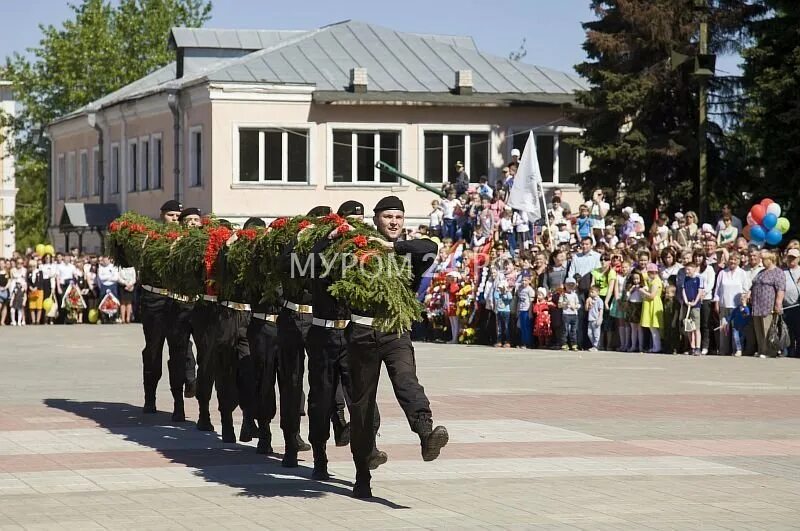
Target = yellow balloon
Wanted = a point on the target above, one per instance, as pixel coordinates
(47, 304)
(40, 249)
(94, 315)
(783, 225)
(48, 249)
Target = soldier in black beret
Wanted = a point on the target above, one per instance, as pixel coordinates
(368, 347)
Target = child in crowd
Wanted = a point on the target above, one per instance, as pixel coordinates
(542, 327)
(693, 291)
(569, 304)
(670, 325)
(435, 219)
(507, 230)
(594, 309)
(728, 234)
(584, 223)
(633, 313)
(652, 307)
(525, 298)
(618, 307)
(740, 318)
(562, 234)
(502, 307)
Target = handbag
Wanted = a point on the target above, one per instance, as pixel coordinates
(52, 313)
(688, 323)
(778, 336)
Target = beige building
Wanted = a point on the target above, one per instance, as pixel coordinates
(271, 123)
(8, 187)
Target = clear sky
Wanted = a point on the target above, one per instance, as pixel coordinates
(552, 27)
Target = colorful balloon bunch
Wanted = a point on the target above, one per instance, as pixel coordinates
(764, 224)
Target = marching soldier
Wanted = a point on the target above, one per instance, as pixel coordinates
(160, 317)
(327, 364)
(367, 348)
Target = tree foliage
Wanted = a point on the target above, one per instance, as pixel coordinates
(101, 48)
(640, 114)
(771, 115)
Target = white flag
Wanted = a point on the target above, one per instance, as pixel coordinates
(524, 194)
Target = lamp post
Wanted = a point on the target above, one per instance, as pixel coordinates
(704, 67)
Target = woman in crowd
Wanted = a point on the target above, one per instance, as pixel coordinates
(5, 291)
(35, 291)
(605, 278)
(766, 300)
(709, 277)
(732, 283)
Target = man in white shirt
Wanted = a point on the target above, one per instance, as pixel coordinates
(65, 273)
(791, 300)
(449, 207)
(107, 277)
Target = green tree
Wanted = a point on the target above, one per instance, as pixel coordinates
(640, 114)
(101, 48)
(772, 109)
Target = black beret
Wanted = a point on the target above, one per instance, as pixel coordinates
(320, 210)
(225, 223)
(191, 211)
(171, 206)
(254, 222)
(351, 208)
(390, 202)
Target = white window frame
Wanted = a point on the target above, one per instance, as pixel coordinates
(448, 129)
(61, 176)
(72, 189)
(262, 127)
(354, 129)
(555, 132)
(155, 166)
(115, 170)
(195, 175)
(144, 164)
(83, 168)
(132, 173)
(95, 175)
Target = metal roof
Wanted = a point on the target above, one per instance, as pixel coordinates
(87, 215)
(396, 62)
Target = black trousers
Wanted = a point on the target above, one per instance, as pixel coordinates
(205, 321)
(366, 349)
(165, 320)
(292, 330)
(234, 376)
(264, 350)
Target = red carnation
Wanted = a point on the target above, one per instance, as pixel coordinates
(173, 235)
(216, 239)
(341, 230)
(279, 223)
(360, 241)
(247, 234)
(114, 226)
(303, 224)
(334, 218)
(205, 220)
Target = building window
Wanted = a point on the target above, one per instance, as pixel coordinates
(84, 171)
(158, 161)
(72, 185)
(62, 177)
(269, 155)
(144, 147)
(115, 169)
(443, 150)
(97, 170)
(559, 161)
(195, 156)
(356, 152)
(133, 165)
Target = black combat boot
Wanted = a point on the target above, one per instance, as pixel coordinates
(249, 429)
(362, 489)
(228, 432)
(290, 451)
(178, 413)
(301, 445)
(320, 472)
(190, 390)
(377, 458)
(149, 399)
(341, 429)
(431, 439)
(264, 439)
(204, 420)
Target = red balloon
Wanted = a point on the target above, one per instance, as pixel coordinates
(746, 232)
(766, 202)
(758, 212)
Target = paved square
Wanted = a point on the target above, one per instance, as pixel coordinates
(539, 439)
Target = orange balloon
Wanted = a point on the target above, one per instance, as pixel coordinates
(746, 232)
(758, 212)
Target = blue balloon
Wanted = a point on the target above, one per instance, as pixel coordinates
(769, 221)
(758, 234)
(774, 237)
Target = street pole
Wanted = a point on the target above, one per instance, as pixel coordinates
(703, 125)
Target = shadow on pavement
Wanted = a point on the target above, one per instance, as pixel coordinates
(233, 465)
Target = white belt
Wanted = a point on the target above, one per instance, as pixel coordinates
(270, 317)
(242, 307)
(361, 320)
(210, 298)
(157, 291)
(299, 308)
(339, 324)
(182, 298)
